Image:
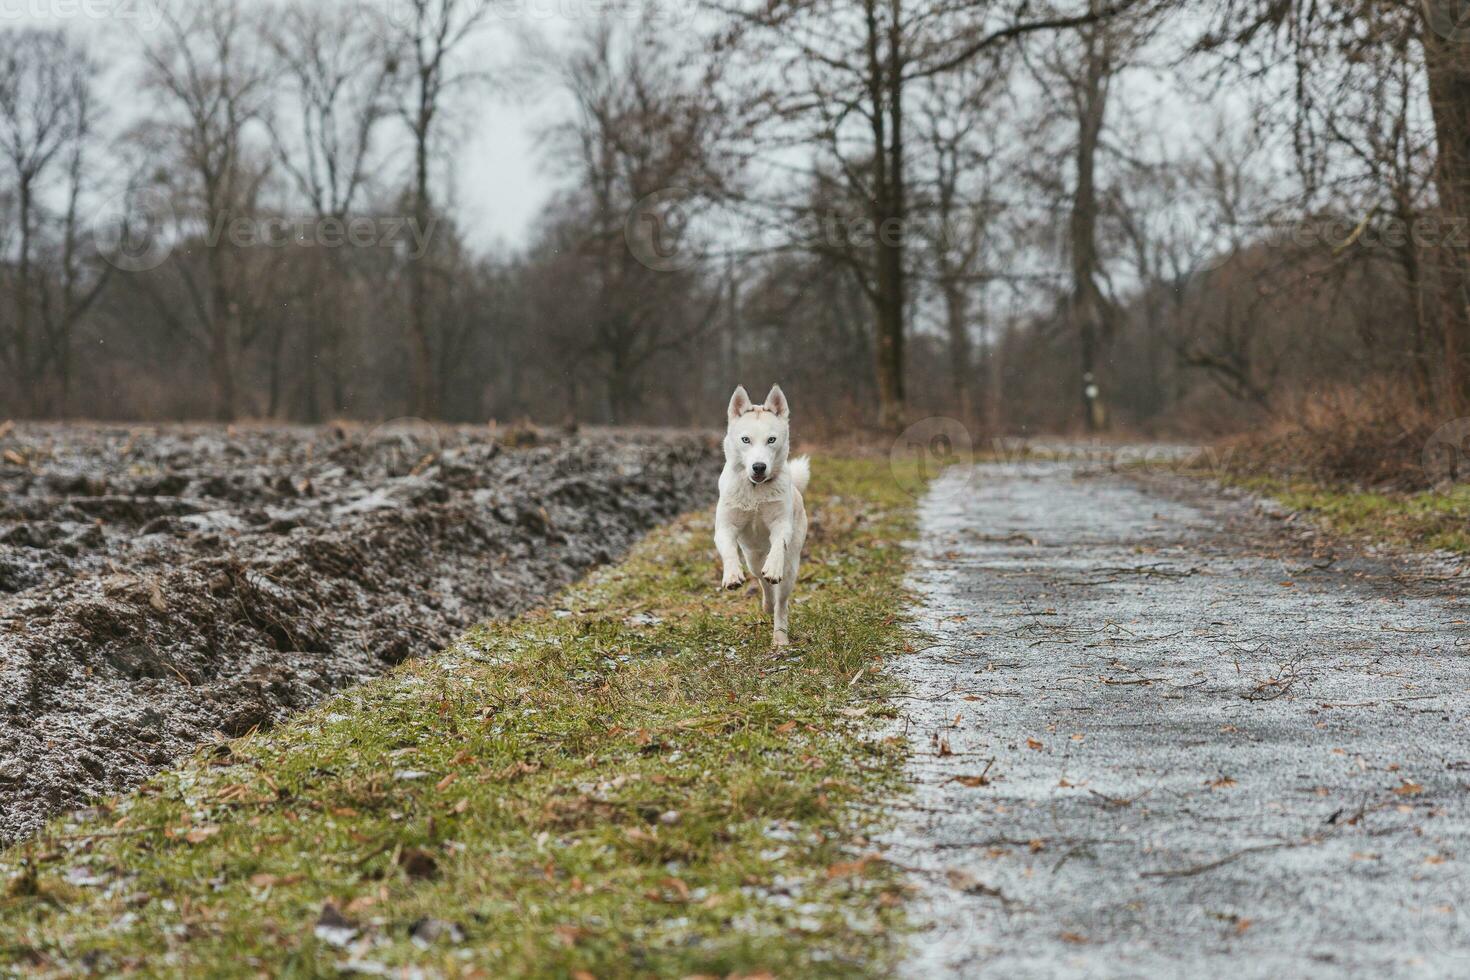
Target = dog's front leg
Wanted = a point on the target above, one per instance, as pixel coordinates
(774, 568)
(726, 544)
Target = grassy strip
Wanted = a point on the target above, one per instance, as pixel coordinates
(631, 783)
(1415, 520)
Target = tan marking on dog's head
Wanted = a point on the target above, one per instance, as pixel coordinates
(758, 437)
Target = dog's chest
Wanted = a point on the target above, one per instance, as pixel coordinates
(754, 526)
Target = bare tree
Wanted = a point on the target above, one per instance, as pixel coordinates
(1085, 67)
(45, 122)
(211, 84)
(959, 124)
(843, 77)
(1364, 42)
(430, 36)
(645, 123)
(339, 84)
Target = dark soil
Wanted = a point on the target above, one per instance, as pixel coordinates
(164, 587)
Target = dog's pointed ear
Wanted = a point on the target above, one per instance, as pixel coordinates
(739, 402)
(776, 402)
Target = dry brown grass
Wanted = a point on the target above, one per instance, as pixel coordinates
(1371, 435)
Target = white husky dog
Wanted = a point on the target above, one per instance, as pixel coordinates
(761, 514)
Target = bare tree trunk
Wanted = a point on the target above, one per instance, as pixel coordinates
(1414, 285)
(420, 349)
(221, 337)
(1447, 63)
(26, 381)
(1088, 307)
(885, 83)
(994, 337)
(956, 315)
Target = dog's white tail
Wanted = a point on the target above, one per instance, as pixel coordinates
(801, 472)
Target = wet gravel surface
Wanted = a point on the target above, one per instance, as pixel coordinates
(163, 587)
(1165, 733)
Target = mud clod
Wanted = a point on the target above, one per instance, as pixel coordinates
(158, 586)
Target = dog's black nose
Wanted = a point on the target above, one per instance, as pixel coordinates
(759, 469)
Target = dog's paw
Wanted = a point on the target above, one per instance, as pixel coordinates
(772, 573)
(780, 640)
(734, 579)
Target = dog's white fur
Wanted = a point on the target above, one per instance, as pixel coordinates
(761, 515)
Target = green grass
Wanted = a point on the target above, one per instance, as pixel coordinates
(628, 783)
(1419, 520)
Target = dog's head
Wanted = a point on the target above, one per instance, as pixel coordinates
(758, 436)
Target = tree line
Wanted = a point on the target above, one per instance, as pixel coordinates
(1030, 216)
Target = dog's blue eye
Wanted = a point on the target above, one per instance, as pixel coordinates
(771, 441)
(745, 439)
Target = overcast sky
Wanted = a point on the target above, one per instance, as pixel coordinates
(500, 180)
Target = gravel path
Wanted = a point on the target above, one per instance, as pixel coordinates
(1163, 734)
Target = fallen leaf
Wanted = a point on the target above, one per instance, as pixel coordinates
(972, 781)
(676, 886)
(418, 863)
(1224, 782)
(264, 880)
(1032, 743)
(569, 935)
(198, 835)
(847, 869)
(360, 904)
(1077, 939)
(1407, 788)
